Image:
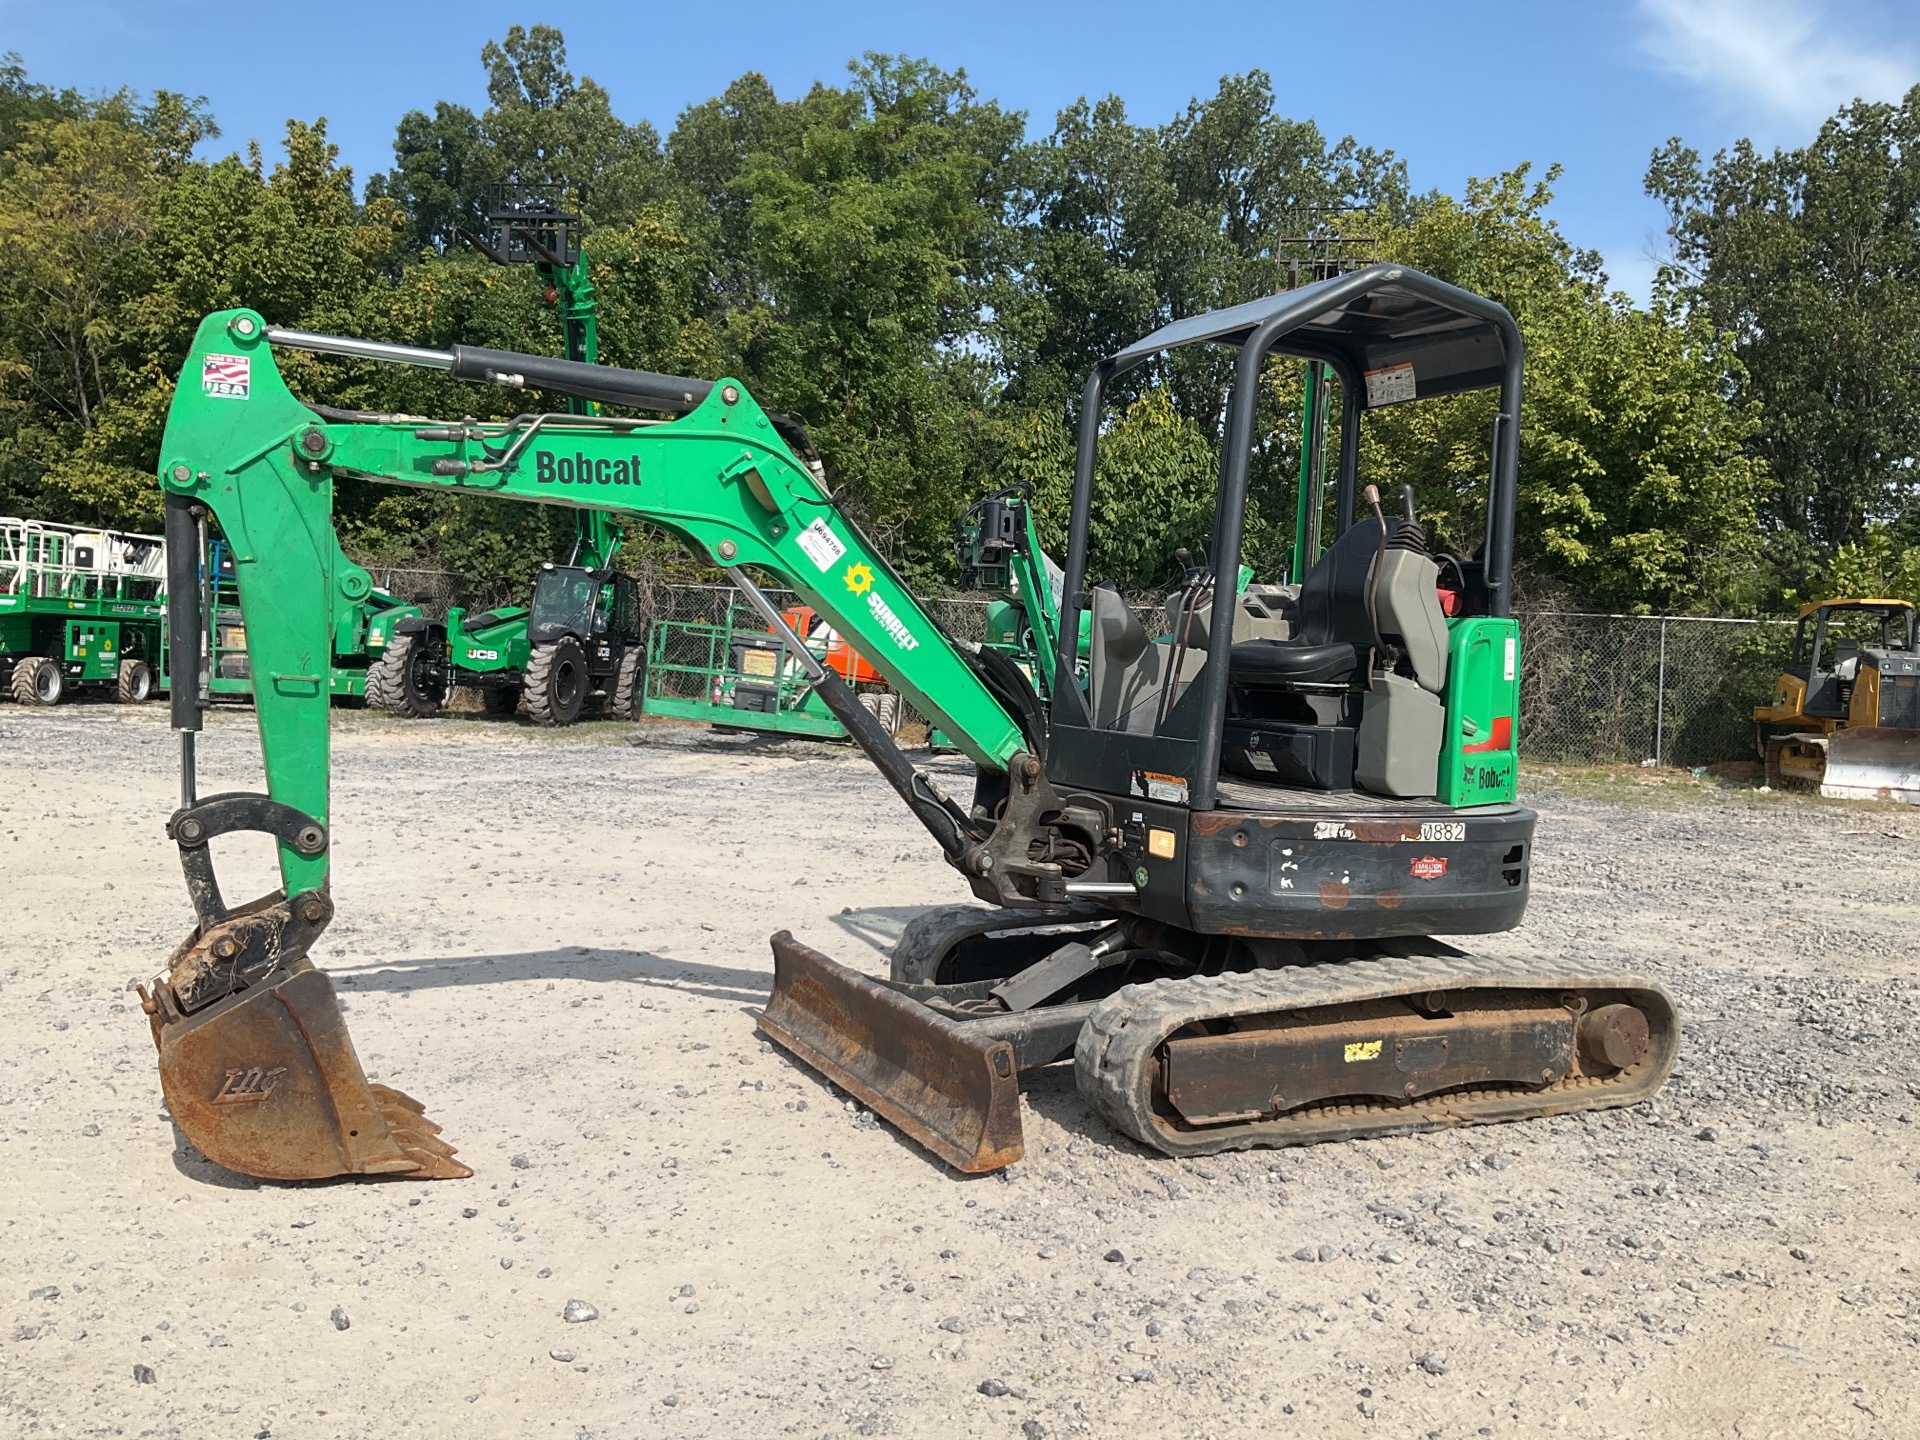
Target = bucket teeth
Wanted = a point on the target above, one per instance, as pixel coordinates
(418, 1137)
(392, 1099)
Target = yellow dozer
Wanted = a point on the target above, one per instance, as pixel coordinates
(1845, 717)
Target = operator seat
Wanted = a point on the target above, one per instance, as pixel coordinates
(1334, 628)
(1354, 696)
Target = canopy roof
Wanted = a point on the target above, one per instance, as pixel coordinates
(1372, 323)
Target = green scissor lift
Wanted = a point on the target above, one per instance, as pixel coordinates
(81, 610)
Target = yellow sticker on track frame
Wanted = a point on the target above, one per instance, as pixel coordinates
(1363, 1050)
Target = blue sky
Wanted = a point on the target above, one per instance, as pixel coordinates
(1456, 90)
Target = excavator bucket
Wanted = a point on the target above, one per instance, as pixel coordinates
(954, 1092)
(266, 1083)
(1873, 764)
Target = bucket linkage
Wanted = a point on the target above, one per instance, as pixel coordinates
(257, 1067)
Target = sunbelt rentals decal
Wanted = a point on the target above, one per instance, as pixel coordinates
(859, 579)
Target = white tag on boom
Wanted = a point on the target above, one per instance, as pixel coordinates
(823, 547)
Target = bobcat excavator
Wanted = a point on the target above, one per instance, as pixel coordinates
(1214, 873)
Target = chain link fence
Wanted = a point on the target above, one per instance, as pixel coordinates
(1676, 690)
(1594, 689)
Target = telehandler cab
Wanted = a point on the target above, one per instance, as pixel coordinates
(1217, 869)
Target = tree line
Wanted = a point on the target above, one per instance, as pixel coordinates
(904, 266)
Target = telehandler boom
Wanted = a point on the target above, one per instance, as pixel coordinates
(1217, 866)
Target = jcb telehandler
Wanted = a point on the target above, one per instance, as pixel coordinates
(1218, 868)
(1845, 717)
(580, 641)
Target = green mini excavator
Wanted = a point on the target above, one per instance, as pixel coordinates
(1213, 872)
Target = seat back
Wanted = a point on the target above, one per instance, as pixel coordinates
(1126, 669)
(1333, 597)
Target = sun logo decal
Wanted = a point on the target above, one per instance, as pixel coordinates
(859, 578)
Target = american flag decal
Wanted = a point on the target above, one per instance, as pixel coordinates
(225, 376)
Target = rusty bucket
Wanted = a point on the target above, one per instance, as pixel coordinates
(266, 1082)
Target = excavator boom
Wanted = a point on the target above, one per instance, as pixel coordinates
(254, 1055)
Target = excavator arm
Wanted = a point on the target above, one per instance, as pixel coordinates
(255, 1059)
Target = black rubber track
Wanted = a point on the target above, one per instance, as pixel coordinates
(1116, 1059)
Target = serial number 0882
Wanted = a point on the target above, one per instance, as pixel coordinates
(1442, 830)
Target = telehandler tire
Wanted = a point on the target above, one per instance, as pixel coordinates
(627, 695)
(884, 706)
(403, 681)
(38, 681)
(500, 699)
(136, 683)
(557, 682)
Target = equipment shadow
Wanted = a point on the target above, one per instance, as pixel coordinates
(639, 967)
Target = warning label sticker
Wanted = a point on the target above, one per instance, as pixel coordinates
(1390, 385)
(1170, 789)
(823, 547)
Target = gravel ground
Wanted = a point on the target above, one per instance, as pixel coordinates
(557, 942)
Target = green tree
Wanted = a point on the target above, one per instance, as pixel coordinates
(870, 224)
(1127, 227)
(1810, 259)
(1637, 489)
(542, 127)
(79, 190)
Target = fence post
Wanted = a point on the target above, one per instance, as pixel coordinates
(1660, 698)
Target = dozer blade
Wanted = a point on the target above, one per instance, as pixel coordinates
(954, 1092)
(266, 1082)
(1873, 764)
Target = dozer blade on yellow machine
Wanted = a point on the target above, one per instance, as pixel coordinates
(1865, 763)
(955, 1092)
(266, 1082)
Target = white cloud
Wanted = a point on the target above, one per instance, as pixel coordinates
(1789, 56)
